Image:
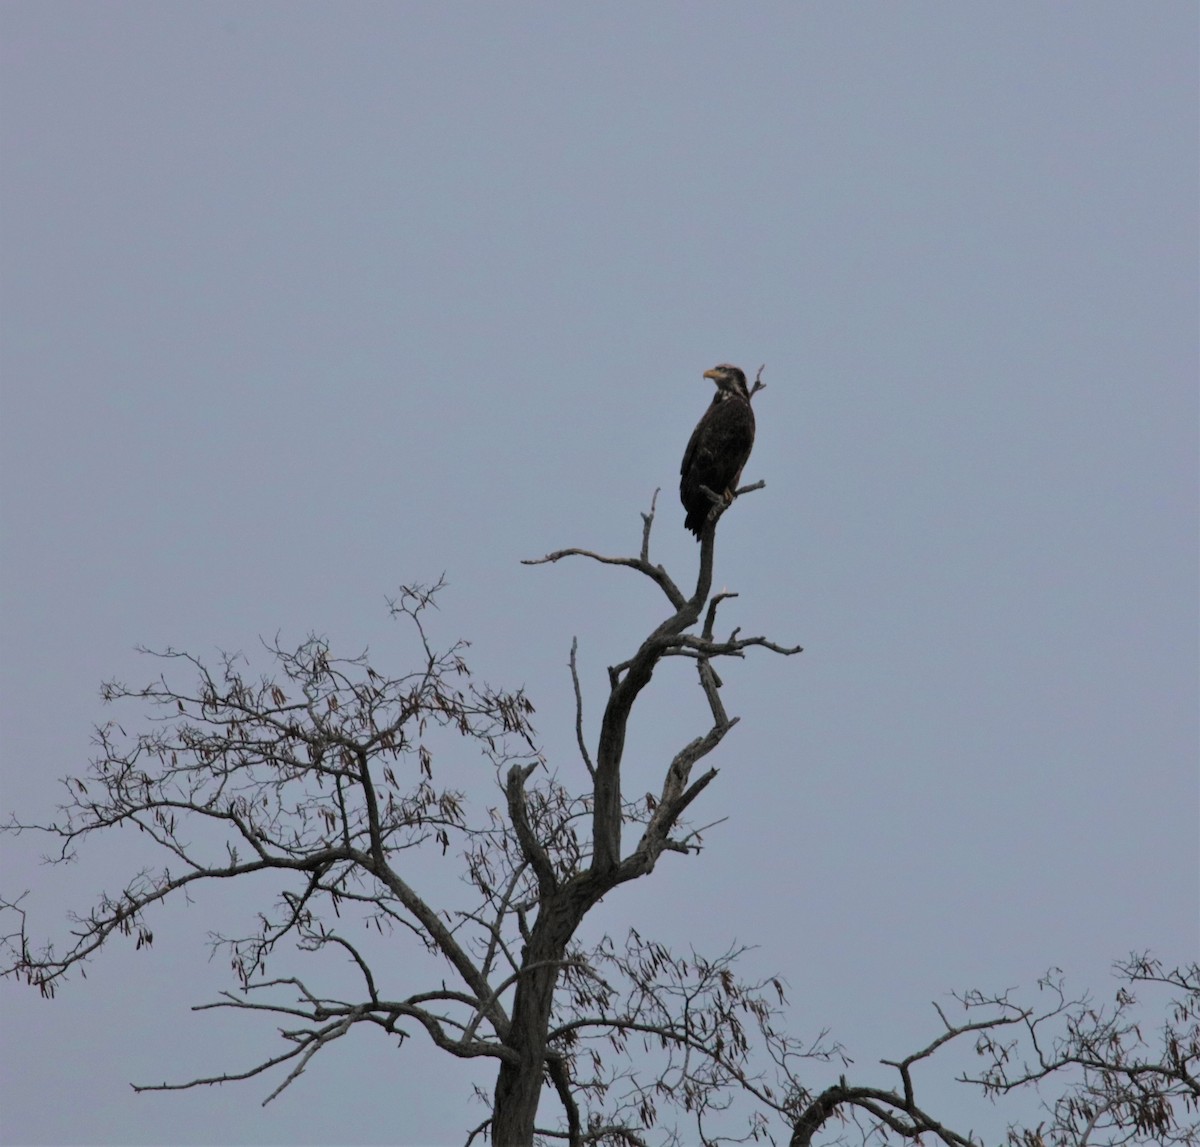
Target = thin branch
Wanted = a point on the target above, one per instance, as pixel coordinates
(579, 740)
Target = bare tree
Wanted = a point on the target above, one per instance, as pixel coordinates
(321, 774)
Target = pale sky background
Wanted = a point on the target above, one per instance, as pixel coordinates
(302, 301)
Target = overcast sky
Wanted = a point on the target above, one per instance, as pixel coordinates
(302, 301)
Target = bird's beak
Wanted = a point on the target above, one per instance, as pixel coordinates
(713, 374)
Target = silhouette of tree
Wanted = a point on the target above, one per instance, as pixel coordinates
(323, 775)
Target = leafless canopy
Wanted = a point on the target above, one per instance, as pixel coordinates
(322, 773)
(325, 774)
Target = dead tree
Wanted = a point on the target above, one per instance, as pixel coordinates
(321, 773)
(326, 774)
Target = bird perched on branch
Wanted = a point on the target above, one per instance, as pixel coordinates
(718, 447)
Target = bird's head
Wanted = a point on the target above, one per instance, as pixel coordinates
(729, 379)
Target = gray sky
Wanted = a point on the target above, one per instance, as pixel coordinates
(304, 301)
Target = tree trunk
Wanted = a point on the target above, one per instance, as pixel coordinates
(519, 1085)
(518, 1091)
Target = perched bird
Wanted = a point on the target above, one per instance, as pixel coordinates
(718, 447)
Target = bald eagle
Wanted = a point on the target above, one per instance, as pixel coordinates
(718, 447)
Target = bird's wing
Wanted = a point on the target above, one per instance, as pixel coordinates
(689, 454)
